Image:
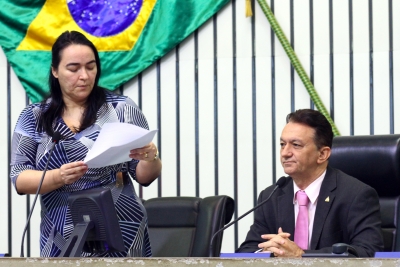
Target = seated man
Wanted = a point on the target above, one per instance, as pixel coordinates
(337, 208)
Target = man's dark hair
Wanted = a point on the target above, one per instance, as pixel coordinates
(96, 98)
(323, 130)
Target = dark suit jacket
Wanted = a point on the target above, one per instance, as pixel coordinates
(351, 215)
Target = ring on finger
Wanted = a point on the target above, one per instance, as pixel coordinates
(146, 155)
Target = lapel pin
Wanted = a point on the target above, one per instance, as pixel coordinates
(327, 199)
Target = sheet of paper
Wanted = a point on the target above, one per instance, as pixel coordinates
(114, 142)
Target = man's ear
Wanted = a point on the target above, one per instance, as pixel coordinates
(324, 154)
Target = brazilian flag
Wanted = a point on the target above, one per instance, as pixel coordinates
(129, 34)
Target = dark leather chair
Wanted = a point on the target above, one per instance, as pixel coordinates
(375, 160)
(184, 226)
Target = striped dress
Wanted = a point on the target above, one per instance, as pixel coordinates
(30, 151)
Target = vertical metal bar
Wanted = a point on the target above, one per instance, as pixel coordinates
(371, 68)
(28, 208)
(159, 122)
(196, 110)
(140, 104)
(331, 63)
(235, 149)
(391, 89)
(140, 90)
(9, 127)
(178, 123)
(254, 100)
(216, 155)
(273, 99)
(292, 86)
(311, 47)
(351, 67)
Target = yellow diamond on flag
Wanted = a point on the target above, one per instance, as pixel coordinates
(112, 25)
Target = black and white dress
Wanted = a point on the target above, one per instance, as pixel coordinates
(30, 152)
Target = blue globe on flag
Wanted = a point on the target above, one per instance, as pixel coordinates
(104, 18)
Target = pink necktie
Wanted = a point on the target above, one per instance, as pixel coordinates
(301, 231)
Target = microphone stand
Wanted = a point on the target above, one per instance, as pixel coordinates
(55, 139)
(281, 182)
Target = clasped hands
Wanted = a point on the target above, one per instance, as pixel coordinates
(280, 245)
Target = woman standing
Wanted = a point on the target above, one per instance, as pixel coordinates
(78, 108)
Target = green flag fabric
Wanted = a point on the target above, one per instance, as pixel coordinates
(129, 34)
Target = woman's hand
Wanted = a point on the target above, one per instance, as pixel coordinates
(71, 172)
(147, 153)
(149, 166)
(28, 180)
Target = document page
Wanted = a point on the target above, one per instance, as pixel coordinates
(114, 142)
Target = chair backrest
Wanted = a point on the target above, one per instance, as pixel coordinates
(184, 226)
(374, 160)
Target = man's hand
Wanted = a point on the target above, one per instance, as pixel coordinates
(280, 245)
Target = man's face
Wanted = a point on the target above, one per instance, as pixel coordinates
(299, 154)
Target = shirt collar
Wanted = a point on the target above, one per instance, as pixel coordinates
(312, 190)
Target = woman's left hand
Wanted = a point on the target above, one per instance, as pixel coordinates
(149, 166)
(147, 153)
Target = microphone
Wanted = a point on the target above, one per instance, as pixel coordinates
(339, 250)
(280, 183)
(56, 137)
(343, 248)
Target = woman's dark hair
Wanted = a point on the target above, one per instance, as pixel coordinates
(56, 106)
(323, 130)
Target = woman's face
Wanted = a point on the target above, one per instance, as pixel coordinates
(76, 73)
